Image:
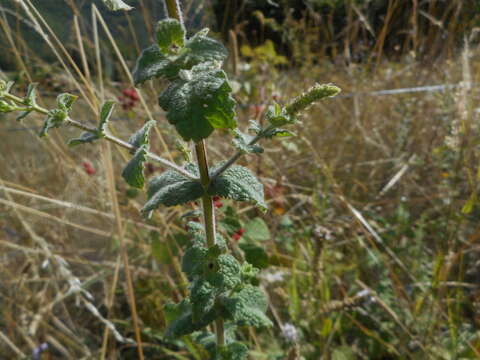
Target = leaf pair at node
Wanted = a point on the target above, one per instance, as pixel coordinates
(172, 188)
(88, 137)
(55, 117)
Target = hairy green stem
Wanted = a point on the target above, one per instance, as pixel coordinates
(173, 10)
(207, 202)
(108, 137)
(220, 330)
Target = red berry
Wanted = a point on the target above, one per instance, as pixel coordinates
(134, 95)
(126, 92)
(217, 202)
(88, 167)
(149, 168)
(238, 234)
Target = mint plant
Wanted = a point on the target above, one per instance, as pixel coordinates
(223, 293)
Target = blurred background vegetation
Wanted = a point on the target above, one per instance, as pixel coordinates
(370, 248)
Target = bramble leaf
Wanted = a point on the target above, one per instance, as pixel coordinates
(116, 5)
(154, 62)
(171, 188)
(133, 172)
(141, 136)
(242, 143)
(199, 102)
(170, 36)
(247, 307)
(239, 183)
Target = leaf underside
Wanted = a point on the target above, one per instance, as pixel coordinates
(240, 184)
(170, 189)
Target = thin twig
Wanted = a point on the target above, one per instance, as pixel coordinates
(239, 154)
(108, 137)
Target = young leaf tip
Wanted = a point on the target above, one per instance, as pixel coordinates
(170, 35)
(312, 95)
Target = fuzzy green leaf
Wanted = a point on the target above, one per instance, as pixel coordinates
(193, 261)
(199, 103)
(247, 307)
(153, 64)
(208, 341)
(171, 188)
(105, 114)
(255, 255)
(84, 138)
(6, 107)
(201, 49)
(31, 97)
(278, 132)
(89, 137)
(254, 126)
(23, 115)
(5, 87)
(116, 5)
(55, 118)
(141, 136)
(156, 63)
(202, 298)
(233, 351)
(170, 36)
(180, 319)
(224, 273)
(133, 172)
(239, 183)
(242, 143)
(65, 101)
(278, 116)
